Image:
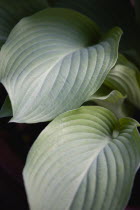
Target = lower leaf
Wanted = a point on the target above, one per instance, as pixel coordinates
(85, 159)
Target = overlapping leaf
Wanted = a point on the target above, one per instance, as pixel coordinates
(53, 61)
(125, 77)
(12, 11)
(85, 159)
(110, 99)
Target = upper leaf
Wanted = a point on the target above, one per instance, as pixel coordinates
(107, 14)
(11, 11)
(85, 159)
(53, 61)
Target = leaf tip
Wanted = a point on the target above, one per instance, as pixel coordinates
(14, 120)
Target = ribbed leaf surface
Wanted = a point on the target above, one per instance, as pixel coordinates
(125, 77)
(85, 159)
(53, 61)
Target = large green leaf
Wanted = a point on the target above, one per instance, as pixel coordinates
(85, 159)
(125, 77)
(11, 11)
(53, 61)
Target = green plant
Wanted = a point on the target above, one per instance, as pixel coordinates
(54, 62)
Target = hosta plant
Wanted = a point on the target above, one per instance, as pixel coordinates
(58, 66)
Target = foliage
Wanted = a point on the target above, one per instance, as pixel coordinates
(54, 63)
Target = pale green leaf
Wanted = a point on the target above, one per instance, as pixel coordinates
(53, 61)
(110, 99)
(6, 109)
(11, 11)
(85, 159)
(125, 77)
